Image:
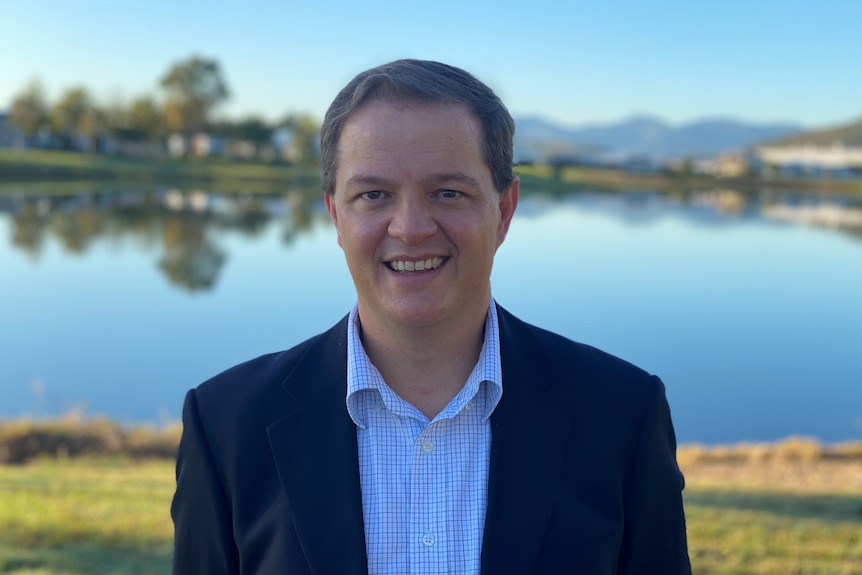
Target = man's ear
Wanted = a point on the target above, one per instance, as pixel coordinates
(508, 203)
(330, 206)
(329, 200)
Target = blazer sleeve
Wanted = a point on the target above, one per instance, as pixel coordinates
(654, 537)
(203, 536)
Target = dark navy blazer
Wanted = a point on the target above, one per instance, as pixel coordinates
(583, 476)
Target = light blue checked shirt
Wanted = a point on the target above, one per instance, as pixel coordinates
(424, 482)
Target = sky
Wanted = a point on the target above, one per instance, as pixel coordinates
(577, 62)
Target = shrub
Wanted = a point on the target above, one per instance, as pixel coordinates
(75, 436)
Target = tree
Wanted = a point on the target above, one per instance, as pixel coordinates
(69, 112)
(92, 124)
(115, 116)
(29, 111)
(253, 129)
(174, 116)
(304, 145)
(145, 118)
(195, 86)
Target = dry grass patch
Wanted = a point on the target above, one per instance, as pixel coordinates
(75, 436)
(792, 465)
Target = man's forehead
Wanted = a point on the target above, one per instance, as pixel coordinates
(395, 123)
(439, 141)
(401, 107)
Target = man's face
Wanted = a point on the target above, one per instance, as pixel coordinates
(416, 212)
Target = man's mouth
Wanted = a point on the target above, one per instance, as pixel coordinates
(416, 265)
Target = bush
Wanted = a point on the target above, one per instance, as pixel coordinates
(75, 436)
(804, 449)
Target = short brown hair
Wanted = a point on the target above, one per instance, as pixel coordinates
(429, 82)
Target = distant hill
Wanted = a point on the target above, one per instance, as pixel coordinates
(644, 136)
(847, 134)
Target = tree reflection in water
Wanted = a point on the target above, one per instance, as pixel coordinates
(28, 229)
(190, 258)
(184, 225)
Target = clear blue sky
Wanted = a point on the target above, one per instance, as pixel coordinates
(577, 62)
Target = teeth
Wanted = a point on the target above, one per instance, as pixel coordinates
(409, 266)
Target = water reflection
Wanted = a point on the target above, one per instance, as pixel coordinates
(746, 305)
(185, 226)
(190, 259)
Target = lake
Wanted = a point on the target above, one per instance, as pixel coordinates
(749, 306)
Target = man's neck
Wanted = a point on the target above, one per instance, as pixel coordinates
(426, 366)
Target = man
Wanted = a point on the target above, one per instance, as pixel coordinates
(430, 431)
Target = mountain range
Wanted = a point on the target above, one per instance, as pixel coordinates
(646, 136)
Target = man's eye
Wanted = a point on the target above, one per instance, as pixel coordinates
(450, 194)
(374, 195)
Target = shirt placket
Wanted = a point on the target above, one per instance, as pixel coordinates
(427, 531)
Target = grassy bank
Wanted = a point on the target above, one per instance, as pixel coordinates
(793, 506)
(621, 180)
(29, 166)
(65, 168)
(75, 435)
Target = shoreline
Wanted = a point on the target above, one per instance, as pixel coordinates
(794, 464)
(25, 168)
(78, 435)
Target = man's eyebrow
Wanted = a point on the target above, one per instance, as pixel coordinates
(455, 177)
(364, 180)
(436, 179)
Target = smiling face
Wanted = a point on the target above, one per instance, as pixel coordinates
(417, 214)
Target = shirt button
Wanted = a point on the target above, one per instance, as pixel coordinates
(428, 540)
(427, 446)
(469, 405)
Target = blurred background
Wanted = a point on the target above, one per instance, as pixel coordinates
(691, 180)
(691, 201)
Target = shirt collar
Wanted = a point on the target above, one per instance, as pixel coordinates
(362, 375)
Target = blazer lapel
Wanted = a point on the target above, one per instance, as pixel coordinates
(530, 428)
(316, 456)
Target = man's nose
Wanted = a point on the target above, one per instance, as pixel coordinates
(412, 221)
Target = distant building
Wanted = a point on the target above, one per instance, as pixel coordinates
(811, 159)
(726, 165)
(10, 136)
(177, 145)
(204, 145)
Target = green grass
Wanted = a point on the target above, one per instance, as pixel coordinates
(22, 167)
(111, 516)
(87, 517)
(741, 532)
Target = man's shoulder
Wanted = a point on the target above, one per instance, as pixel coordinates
(267, 373)
(547, 344)
(610, 393)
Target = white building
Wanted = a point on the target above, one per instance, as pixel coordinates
(811, 157)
